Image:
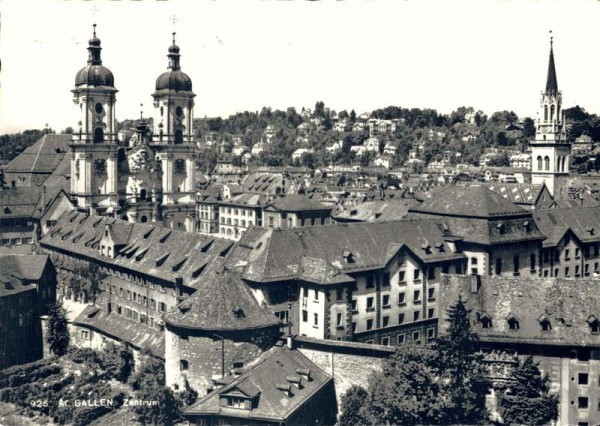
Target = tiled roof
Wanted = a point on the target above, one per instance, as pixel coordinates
(138, 335)
(19, 202)
(246, 199)
(567, 304)
(583, 221)
(222, 301)
(270, 254)
(518, 193)
(23, 267)
(183, 254)
(275, 369)
(469, 201)
(41, 157)
(297, 203)
(380, 210)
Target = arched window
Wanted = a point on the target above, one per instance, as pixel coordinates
(144, 219)
(143, 195)
(178, 136)
(546, 113)
(558, 162)
(564, 164)
(98, 135)
(547, 163)
(552, 113)
(539, 162)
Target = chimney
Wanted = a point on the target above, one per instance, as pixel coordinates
(475, 283)
(43, 197)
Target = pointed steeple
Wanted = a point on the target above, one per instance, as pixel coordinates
(551, 83)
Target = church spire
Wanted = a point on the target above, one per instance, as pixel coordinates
(551, 83)
(94, 50)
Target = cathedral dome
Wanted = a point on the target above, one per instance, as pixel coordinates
(174, 80)
(95, 75)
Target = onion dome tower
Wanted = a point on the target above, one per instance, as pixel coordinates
(173, 143)
(94, 143)
(551, 152)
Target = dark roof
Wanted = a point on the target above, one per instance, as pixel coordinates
(175, 80)
(469, 201)
(221, 302)
(277, 367)
(270, 254)
(43, 156)
(518, 193)
(297, 203)
(143, 246)
(584, 222)
(19, 202)
(16, 268)
(551, 82)
(377, 211)
(567, 303)
(95, 75)
(113, 325)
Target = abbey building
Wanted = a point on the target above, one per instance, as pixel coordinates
(152, 181)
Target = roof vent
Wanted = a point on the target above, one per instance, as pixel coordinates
(6, 210)
(286, 389)
(590, 230)
(295, 380)
(304, 373)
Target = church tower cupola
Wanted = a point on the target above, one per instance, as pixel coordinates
(551, 152)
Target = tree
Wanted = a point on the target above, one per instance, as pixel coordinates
(166, 412)
(409, 390)
(353, 116)
(466, 384)
(67, 131)
(527, 399)
(58, 333)
(353, 402)
(117, 361)
(319, 109)
(500, 160)
(528, 128)
(93, 277)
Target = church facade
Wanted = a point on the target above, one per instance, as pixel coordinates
(152, 181)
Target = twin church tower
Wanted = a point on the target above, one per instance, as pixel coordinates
(153, 181)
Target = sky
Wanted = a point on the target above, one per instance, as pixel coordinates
(353, 54)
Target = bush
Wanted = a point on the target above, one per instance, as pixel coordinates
(23, 370)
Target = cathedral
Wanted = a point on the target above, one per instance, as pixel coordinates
(151, 181)
(550, 151)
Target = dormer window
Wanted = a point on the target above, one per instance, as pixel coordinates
(296, 381)
(485, 320)
(545, 323)
(513, 322)
(527, 226)
(426, 248)
(590, 230)
(348, 257)
(238, 312)
(440, 247)
(500, 228)
(286, 389)
(594, 324)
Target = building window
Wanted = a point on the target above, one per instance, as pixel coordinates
(304, 315)
(417, 337)
(430, 312)
(416, 315)
(402, 276)
(316, 295)
(183, 364)
(566, 271)
(417, 296)
(353, 327)
(431, 273)
(386, 300)
(370, 281)
(430, 333)
(385, 341)
(339, 293)
(339, 320)
(270, 221)
(513, 324)
(416, 274)
(499, 266)
(431, 294)
(567, 254)
(316, 320)
(369, 324)
(582, 378)
(401, 339)
(401, 299)
(583, 403)
(386, 279)
(400, 319)
(354, 308)
(532, 262)
(445, 269)
(385, 321)
(516, 265)
(370, 306)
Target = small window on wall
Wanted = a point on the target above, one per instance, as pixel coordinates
(99, 108)
(98, 135)
(178, 111)
(178, 136)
